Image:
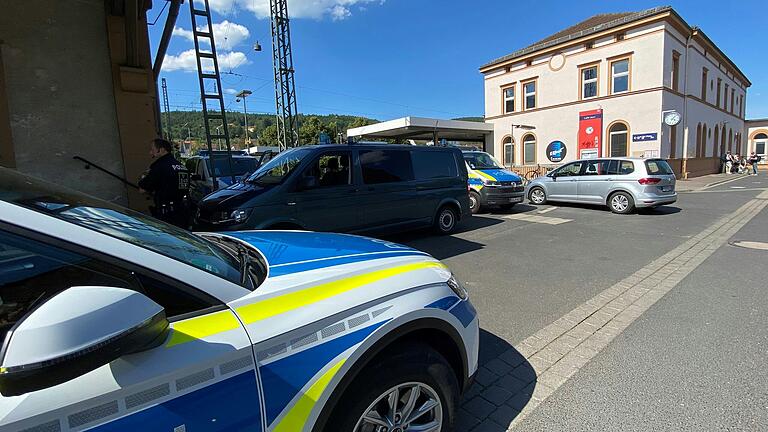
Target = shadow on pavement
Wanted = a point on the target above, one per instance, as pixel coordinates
(443, 247)
(660, 211)
(503, 387)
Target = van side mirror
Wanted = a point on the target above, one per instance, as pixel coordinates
(307, 182)
(76, 331)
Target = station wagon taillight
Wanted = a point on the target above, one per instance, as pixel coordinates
(649, 181)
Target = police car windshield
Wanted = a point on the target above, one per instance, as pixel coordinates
(478, 160)
(278, 169)
(115, 221)
(240, 166)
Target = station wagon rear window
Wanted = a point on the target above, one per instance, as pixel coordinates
(658, 167)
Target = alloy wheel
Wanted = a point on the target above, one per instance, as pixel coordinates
(620, 203)
(537, 196)
(409, 407)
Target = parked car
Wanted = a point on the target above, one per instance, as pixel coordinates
(346, 188)
(491, 184)
(204, 165)
(111, 320)
(622, 184)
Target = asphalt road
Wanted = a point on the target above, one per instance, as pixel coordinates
(695, 361)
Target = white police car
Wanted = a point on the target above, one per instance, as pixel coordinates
(113, 321)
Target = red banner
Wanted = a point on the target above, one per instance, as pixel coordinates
(590, 134)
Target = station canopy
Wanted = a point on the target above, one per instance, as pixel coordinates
(429, 129)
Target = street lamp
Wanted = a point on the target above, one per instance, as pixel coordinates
(242, 95)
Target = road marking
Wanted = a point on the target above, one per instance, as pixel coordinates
(559, 350)
(763, 196)
(738, 187)
(725, 190)
(751, 245)
(547, 210)
(716, 184)
(537, 219)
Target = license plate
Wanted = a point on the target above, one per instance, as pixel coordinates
(667, 188)
(516, 200)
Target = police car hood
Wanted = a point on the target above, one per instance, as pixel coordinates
(231, 197)
(289, 252)
(499, 174)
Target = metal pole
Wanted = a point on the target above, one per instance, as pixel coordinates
(247, 140)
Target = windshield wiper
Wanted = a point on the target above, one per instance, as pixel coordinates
(236, 250)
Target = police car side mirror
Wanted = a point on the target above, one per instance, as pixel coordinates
(76, 331)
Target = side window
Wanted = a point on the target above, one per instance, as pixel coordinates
(626, 167)
(386, 166)
(602, 167)
(433, 164)
(31, 272)
(331, 169)
(570, 170)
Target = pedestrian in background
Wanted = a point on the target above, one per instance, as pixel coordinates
(728, 162)
(753, 160)
(168, 182)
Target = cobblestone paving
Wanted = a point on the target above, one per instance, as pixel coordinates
(512, 385)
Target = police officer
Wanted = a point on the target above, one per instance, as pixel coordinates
(168, 182)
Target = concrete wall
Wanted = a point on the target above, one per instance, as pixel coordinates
(58, 79)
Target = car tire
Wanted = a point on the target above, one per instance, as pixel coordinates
(409, 367)
(537, 196)
(474, 202)
(446, 220)
(621, 203)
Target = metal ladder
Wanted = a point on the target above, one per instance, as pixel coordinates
(208, 77)
(167, 108)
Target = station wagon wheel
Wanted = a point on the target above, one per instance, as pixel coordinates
(474, 202)
(621, 203)
(537, 196)
(410, 388)
(411, 406)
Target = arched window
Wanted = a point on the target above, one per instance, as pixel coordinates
(761, 144)
(618, 139)
(716, 145)
(722, 138)
(730, 141)
(702, 149)
(699, 138)
(508, 146)
(529, 149)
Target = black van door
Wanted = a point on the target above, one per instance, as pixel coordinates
(437, 177)
(324, 196)
(388, 193)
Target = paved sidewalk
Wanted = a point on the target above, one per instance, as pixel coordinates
(707, 181)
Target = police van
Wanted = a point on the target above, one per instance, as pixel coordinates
(205, 165)
(490, 184)
(113, 321)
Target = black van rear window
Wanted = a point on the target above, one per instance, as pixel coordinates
(434, 164)
(386, 166)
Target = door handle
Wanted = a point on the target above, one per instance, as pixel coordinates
(291, 203)
(609, 179)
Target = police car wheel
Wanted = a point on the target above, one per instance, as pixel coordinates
(446, 220)
(474, 202)
(414, 389)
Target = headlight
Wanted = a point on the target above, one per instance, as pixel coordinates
(458, 288)
(490, 182)
(240, 215)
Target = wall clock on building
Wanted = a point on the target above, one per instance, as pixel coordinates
(672, 118)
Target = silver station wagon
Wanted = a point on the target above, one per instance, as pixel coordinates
(623, 184)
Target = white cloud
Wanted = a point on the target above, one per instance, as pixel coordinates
(187, 62)
(231, 91)
(228, 34)
(316, 9)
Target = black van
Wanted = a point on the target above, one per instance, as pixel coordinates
(345, 188)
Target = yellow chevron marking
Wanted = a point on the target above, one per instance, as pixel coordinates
(299, 413)
(202, 326)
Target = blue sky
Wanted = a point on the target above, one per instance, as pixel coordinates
(390, 58)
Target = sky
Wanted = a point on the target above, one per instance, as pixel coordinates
(385, 59)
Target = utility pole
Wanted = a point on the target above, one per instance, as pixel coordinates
(285, 86)
(242, 95)
(167, 108)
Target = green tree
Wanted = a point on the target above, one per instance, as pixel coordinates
(268, 136)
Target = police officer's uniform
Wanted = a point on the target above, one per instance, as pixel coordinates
(168, 181)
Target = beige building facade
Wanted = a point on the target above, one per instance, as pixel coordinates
(605, 87)
(757, 135)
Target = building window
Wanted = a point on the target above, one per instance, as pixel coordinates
(672, 141)
(529, 95)
(509, 99)
(704, 73)
(675, 69)
(620, 37)
(733, 96)
(741, 105)
(529, 149)
(725, 98)
(620, 76)
(761, 143)
(509, 151)
(618, 139)
(589, 82)
(589, 45)
(719, 84)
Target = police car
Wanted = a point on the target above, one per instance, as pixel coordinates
(203, 166)
(114, 321)
(490, 184)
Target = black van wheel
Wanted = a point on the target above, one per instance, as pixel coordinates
(446, 220)
(474, 202)
(413, 388)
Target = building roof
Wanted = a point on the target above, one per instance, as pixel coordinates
(420, 128)
(593, 24)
